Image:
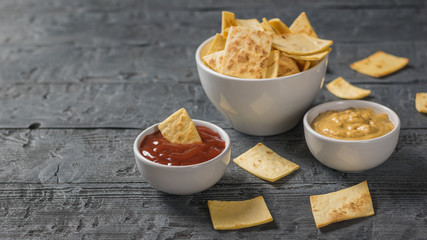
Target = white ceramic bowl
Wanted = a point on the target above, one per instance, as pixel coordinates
(354, 155)
(261, 107)
(183, 180)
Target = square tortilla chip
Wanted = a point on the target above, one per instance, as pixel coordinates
(228, 20)
(302, 25)
(273, 64)
(343, 89)
(239, 214)
(300, 44)
(218, 44)
(262, 162)
(349, 203)
(179, 128)
(214, 60)
(250, 23)
(421, 102)
(287, 66)
(279, 26)
(246, 53)
(379, 64)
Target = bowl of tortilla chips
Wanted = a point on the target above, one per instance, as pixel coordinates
(262, 76)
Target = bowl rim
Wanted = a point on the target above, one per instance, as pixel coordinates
(197, 122)
(200, 63)
(334, 104)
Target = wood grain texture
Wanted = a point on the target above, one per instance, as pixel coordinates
(79, 80)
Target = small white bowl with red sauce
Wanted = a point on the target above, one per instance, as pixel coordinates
(186, 173)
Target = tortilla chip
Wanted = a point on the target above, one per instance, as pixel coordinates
(179, 128)
(302, 25)
(279, 26)
(421, 102)
(228, 20)
(343, 89)
(262, 162)
(214, 60)
(267, 27)
(349, 203)
(246, 53)
(250, 23)
(311, 57)
(287, 66)
(300, 44)
(239, 214)
(379, 64)
(218, 44)
(306, 66)
(273, 64)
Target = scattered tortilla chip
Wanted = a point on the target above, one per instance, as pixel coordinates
(300, 44)
(228, 20)
(343, 89)
(273, 64)
(214, 60)
(218, 44)
(267, 27)
(246, 53)
(262, 162)
(239, 214)
(302, 25)
(349, 203)
(379, 64)
(179, 128)
(421, 102)
(311, 57)
(287, 66)
(279, 26)
(250, 23)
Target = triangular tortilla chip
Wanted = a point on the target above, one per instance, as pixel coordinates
(267, 27)
(250, 23)
(214, 60)
(246, 53)
(343, 89)
(273, 64)
(279, 26)
(264, 163)
(228, 20)
(300, 44)
(287, 66)
(421, 102)
(218, 44)
(179, 128)
(302, 25)
(349, 203)
(239, 214)
(379, 64)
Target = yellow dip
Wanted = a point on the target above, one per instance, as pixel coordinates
(352, 124)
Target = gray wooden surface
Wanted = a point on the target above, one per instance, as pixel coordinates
(80, 79)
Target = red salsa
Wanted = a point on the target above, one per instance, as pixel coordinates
(156, 148)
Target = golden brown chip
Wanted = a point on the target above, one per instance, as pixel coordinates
(179, 128)
(264, 163)
(273, 64)
(228, 20)
(279, 26)
(421, 102)
(250, 23)
(311, 57)
(379, 64)
(306, 65)
(246, 53)
(349, 203)
(343, 89)
(302, 25)
(239, 214)
(287, 66)
(267, 27)
(214, 60)
(300, 44)
(218, 44)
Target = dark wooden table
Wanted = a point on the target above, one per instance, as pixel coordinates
(81, 79)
